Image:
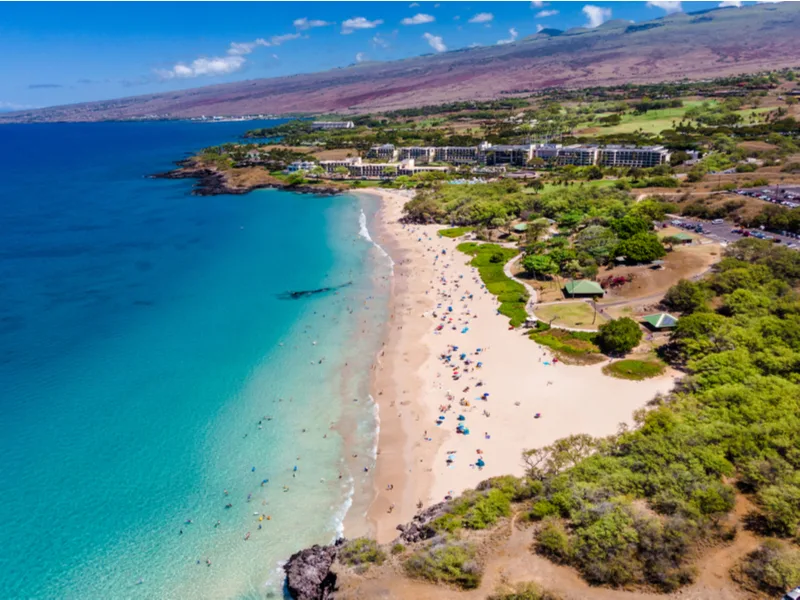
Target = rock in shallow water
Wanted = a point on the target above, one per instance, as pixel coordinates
(309, 575)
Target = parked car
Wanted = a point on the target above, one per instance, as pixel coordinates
(718, 221)
(793, 594)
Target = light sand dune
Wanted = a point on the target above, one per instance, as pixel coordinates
(412, 382)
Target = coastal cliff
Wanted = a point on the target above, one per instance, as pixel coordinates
(211, 181)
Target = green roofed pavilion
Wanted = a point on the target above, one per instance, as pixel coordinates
(583, 287)
(684, 237)
(660, 321)
(521, 227)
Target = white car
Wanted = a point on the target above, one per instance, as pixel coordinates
(792, 595)
(718, 221)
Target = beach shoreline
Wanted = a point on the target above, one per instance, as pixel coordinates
(422, 460)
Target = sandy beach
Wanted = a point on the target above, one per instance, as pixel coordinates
(421, 457)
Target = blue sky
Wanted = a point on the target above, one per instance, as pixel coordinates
(60, 53)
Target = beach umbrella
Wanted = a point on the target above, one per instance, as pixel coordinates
(461, 418)
(480, 463)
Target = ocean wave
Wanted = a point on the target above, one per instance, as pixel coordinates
(344, 508)
(377, 416)
(364, 233)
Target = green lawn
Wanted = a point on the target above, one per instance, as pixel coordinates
(656, 121)
(490, 259)
(596, 183)
(569, 314)
(636, 370)
(454, 232)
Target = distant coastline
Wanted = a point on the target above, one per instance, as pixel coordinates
(212, 182)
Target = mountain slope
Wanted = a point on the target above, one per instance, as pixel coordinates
(707, 44)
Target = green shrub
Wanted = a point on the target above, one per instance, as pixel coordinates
(619, 336)
(542, 509)
(442, 561)
(553, 541)
(398, 549)
(523, 591)
(475, 509)
(773, 567)
(361, 552)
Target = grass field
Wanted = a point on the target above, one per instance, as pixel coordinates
(454, 232)
(490, 259)
(597, 183)
(656, 121)
(636, 370)
(569, 314)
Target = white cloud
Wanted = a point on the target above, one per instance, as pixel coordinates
(669, 6)
(512, 35)
(539, 27)
(418, 19)
(413, 5)
(596, 15)
(277, 40)
(543, 14)
(350, 25)
(304, 23)
(482, 18)
(378, 41)
(736, 3)
(538, 4)
(435, 42)
(361, 57)
(243, 48)
(201, 67)
(222, 65)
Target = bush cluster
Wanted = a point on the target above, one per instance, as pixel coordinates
(446, 561)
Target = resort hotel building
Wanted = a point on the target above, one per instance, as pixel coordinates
(332, 125)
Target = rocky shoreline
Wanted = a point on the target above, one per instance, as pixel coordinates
(310, 574)
(211, 182)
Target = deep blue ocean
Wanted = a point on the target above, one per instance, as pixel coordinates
(151, 375)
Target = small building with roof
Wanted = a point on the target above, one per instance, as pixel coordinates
(520, 227)
(683, 238)
(660, 321)
(583, 288)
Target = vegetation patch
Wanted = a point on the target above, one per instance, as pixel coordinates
(634, 369)
(772, 568)
(575, 347)
(523, 591)
(454, 232)
(475, 510)
(490, 260)
(446, 561)
(361, 552)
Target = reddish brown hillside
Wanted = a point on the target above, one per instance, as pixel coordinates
(714, 43)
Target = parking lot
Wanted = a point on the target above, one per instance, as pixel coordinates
(785, 195)
(726, 231)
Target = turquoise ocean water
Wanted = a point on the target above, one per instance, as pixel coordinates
(148, 365)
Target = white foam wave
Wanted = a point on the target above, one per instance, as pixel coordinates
(377, 416)
(364, 233)
(344, 508)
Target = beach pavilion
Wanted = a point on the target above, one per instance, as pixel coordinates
(583, 288)
(660, 321)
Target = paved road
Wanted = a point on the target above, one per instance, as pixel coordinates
(723, 232)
